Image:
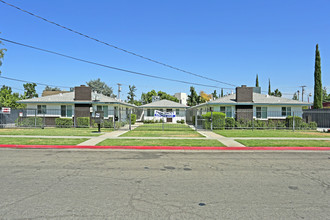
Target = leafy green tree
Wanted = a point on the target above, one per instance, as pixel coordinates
(164, 95)
(326, 96)
(193, 98)
(295, 96)
(2, 54)
(137, 103)
(214, 94)
(317, 80)
(30, 91)
(257, 81)
(48, 88)
(131, 94)
(276, 93)
(147, 97)
(269, 89)
(101, 87)
(9, 99)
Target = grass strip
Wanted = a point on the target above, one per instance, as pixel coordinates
(161, 142)
(283, 143)
(272, 133)
(54, 131)
(41, 141)
(156, 130)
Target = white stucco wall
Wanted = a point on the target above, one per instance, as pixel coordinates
(182, 115)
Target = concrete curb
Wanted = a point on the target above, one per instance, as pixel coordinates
(168, 148)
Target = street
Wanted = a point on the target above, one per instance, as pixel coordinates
(108, 184)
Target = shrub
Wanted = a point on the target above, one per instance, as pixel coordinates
(133, 119)
(83, 122)
(63, 122)
(230, 122)
(218, 120)
(271, 124)
(312, 125)
(180, 121)
(29, 122)
(289, 121)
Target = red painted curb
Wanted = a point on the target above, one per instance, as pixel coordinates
(162, 147)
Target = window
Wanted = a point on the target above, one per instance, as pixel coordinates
(261, 112)
(177, 112)
(41, 109)
(103, 108)
(150, 112)
(66, 111)
(227, 110)
(286, 111)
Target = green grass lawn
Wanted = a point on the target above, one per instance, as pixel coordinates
(161, 142)
(284, 143)
(54, 131)
(156, 130)
(272, 133)
(41, 141)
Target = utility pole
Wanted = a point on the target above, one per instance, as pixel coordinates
(298, 94)
(119, 90)
(302, 92)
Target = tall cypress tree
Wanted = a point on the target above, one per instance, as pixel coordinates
(317, 80)
(257, 81)
(221, 92)
(269, 89)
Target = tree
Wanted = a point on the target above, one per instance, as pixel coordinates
(193, 97)
(269, 89)
(131, 94)
(30, 91)
(317, 80)
(257, 81)
(204, 97)
(214, 94)
(101, 87)
(147, 97)
(164, 95)
(48, 88)
(325, 95)
(221, 92)
(276, 93)
(8, 98)
(295, 97)
(2, 54)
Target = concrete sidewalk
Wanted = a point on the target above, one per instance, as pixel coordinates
(95, 140)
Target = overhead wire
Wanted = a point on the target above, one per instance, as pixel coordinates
(20, 80)
(115, 47)
(107, 66)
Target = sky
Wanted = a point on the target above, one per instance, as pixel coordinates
(229, 41)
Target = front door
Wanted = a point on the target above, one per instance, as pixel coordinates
(169, 119)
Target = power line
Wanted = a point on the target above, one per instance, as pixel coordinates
(19, 80)
(113, 46)
(106, 66)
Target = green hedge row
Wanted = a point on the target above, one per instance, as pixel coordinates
(64, 122)
(29, 122)
(133, 119)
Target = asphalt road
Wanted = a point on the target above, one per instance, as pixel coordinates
(66, 184)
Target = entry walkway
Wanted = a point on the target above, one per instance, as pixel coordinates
(228, 142)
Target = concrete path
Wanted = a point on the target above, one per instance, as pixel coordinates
(229, 142)
(95, 140)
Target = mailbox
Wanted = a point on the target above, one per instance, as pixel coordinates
(99, 116)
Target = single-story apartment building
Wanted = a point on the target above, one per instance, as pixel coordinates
(248, 103)
(173, 111)
(82, 102)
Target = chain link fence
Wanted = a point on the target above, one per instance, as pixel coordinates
(249, 119)
(65, 118)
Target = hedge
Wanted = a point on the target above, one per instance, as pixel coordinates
(83, 122)
(29, 122)
(63, 122)
(133, 119)
(218, 120)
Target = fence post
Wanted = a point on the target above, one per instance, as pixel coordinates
(211, 120)
(35, 118)
(293, 122)
(130, 121)
(163, 124)
(196, 121)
